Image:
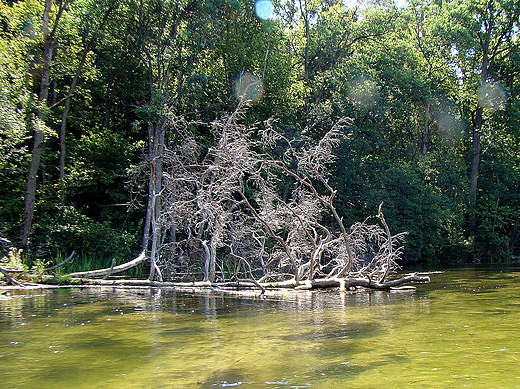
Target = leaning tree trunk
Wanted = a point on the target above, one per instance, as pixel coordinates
(64, 117)
(113, 269)
(66, 109)
(39, 136)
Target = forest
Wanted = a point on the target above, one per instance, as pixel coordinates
(233, 139)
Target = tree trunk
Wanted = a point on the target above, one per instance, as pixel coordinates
(475, 142)
(68, 98)
(64, 116)
(344, 283)
(39, 136)
(473, 172)
(157, 133)
(210, 261)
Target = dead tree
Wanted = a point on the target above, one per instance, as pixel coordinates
(223, 221)
(200, 196)
(231, 223)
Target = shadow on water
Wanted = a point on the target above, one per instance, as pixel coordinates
(225, 379)
(341, 331)
(313, 377)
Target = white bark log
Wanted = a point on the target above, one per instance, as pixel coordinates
(112, 270)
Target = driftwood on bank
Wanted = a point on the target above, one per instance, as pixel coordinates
(112, 269)
(324, 283)
(346, 283)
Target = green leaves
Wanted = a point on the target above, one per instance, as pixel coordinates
(410, 79)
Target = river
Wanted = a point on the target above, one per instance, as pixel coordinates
(459, 331)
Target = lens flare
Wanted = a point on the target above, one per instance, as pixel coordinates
(249, 88)
(363, 91)
(450, 125)
(264, 9)
(492, 95)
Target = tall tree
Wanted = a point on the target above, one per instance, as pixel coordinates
(158, 24)
(492, 36)
(16, 39)
(49, 31)
(322, 37)
(93, 33)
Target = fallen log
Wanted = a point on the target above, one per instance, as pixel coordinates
(111, 270)
(322, 283)
(93, 278)
(346, 283)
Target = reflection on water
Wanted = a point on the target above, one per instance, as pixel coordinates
(458, 331)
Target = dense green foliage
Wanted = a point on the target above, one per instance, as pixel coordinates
(419, 83)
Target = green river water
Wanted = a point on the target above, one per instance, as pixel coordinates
(459, 331)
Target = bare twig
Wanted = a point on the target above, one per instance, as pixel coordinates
(111, 270)
(68, 260)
